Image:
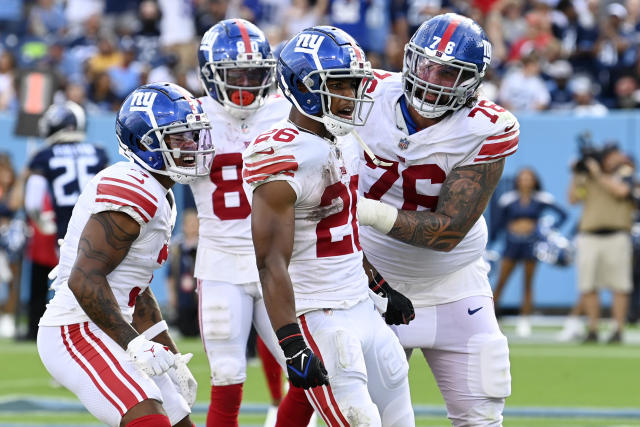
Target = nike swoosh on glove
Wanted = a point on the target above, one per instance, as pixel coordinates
(183, 378)
(152, 358)
(304, 368)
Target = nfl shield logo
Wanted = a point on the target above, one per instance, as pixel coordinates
(403, 144)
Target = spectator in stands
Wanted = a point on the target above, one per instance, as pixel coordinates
(108, 56)
(100, 95)
(46, 18)
(583, 97)
(523, 89)
(129, 74)
(614, 51)
(505, 25)
(603, 245)
(561, 96)
(627, 93)
(178, 32)
(518, 213)
(8, 74)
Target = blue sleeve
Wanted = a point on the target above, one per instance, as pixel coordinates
(40, 162)
(496, 221)
(560, 212)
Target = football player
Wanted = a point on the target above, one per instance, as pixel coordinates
(237, 71)
(444, 146)
(304, 176)
(56, 175)
(102, 335)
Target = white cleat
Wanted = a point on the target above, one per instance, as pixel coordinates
(573, 329)
(523, 327)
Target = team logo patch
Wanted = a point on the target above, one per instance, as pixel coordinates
(142, 101)
(404, 143)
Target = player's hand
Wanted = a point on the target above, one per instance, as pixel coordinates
(152, 358)
(304, 368)
(183, 378)
(399, 308)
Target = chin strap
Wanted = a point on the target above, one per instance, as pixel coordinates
(367, 150)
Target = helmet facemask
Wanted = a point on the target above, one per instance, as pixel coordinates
(187, 148)
(338, 125)
(432, 100)
(241, 85)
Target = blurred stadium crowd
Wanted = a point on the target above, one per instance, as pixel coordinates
(580, 55)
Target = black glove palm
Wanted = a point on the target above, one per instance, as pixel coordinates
(399, 308)
(304, 368)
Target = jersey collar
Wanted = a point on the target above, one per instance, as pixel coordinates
(403, 118)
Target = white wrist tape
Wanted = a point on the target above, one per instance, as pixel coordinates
(155, 330)
(380, 216)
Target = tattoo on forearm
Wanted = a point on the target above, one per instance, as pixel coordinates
(463, 198)
(88, 278)
(147, 313)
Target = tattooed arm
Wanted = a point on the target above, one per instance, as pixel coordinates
(146, 314)
(463, 197)
(104, 243)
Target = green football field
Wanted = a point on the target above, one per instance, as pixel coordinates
(553, 385)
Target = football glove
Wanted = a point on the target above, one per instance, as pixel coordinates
(304, 368)
(399, 308)
(183, 378)
(152, 358)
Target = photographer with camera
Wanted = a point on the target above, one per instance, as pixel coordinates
(603, 180)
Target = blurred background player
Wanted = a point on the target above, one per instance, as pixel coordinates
(95, 336)
(237, 72)
(303, 172)
(445, 149)
(518, 213)
(57, 175)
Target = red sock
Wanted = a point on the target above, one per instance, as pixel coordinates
(295, 410)
(153, 420)
(225, 405)
(272, 371)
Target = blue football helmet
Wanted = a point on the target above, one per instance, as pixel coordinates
(162, 127)
(236, 66)
(63, 122)
(311, 58)
(452, 41)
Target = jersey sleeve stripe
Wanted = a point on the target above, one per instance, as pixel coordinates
(260, 174)
(498, 147)
(268, 160)
(144, 217)
(496, 157)
(130, 184)
(504, 135)
(129, 196)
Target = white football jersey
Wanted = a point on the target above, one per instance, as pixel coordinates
(420, 164)
(125, 187)
(225, 249)
(326, 264)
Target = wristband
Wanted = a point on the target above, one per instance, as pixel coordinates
(379, 215)
(155, 330)
(290, 339)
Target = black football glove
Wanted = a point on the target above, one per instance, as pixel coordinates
(304, 368)
(399, 308)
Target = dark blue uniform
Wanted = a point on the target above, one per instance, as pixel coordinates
(511, 207)
(67, 167)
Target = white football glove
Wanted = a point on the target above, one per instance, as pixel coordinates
(152, 358)
(379, 215)
(183, 378)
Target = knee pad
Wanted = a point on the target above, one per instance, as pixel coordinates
(392, 362)
(349, 358)
(226, 370)
(153, 420)
(489, 367)
(216, 319)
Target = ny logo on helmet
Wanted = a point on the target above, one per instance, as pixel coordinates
(142, 101)
(308, 43)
